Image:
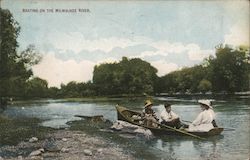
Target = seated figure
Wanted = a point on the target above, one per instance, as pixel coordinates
(170, 118)
(205, 120)
(149, 117)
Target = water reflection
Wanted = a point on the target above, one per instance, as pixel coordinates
(188, 148)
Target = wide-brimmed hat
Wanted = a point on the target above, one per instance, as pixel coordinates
(148, 103)
(205, 102)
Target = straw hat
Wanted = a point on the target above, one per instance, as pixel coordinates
(205, 102)
(148, 103)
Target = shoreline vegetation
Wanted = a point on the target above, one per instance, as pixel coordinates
(133, 96)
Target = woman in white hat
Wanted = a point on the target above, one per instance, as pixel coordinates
(205, 120)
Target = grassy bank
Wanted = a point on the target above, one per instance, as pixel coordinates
(15, 130)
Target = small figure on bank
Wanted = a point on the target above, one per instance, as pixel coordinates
(170, 118)
(205, 121)
(3, 103)
(149, 116)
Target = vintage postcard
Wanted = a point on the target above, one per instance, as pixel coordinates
(124, 79)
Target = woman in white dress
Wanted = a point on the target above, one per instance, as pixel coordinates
(205, 120)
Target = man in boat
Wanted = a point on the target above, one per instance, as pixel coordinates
(149, 117)
(170, 118)
(205, 121)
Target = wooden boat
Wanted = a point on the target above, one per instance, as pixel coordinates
(125, 114)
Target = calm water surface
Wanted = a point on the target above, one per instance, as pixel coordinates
(231, 113)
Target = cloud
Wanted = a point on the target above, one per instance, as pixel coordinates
(135, 46)
(150, 54)
(57, 71)
(107, 60)
(196, 54)
(76, 42)
(239, 34)
(163, 67)
(164, 48)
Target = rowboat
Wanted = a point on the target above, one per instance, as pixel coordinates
(125, 114)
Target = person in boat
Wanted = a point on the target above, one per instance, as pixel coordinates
(149, 117)
(170, 118)
(211, 110)
(205, 121)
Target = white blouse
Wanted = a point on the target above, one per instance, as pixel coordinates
(203, 122)
(168, 116)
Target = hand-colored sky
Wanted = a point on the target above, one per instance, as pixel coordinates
(168, 34)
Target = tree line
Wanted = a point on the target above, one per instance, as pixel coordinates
(227, 72)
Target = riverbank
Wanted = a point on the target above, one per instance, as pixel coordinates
(15, 130)
(66, 144)
(118, 98)
(24, 138)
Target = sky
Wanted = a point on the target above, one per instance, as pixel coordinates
(168, 34)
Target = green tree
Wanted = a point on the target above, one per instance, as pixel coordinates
(15, 69)
(70, 90)
(129, 76)
(86, 89)
(37, 87)
(53, 92)
(185, 80)
(204, 86)
(29, 57)
(9, 31)
(230, 69)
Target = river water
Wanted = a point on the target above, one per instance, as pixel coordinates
(230, 112)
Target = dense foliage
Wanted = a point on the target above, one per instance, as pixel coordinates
(186, 80)
(230, 69)
(129, 76)
(15, 68)
(227, 72)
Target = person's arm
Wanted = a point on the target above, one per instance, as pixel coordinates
(212, 113)
(143, 113)
(164, 116)
(198, 120)
(155, 116)
(174, 115)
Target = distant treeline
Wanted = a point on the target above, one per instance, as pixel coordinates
(227, 72)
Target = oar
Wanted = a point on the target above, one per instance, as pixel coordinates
(180, 131)
(186, 121)
(229, 129)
